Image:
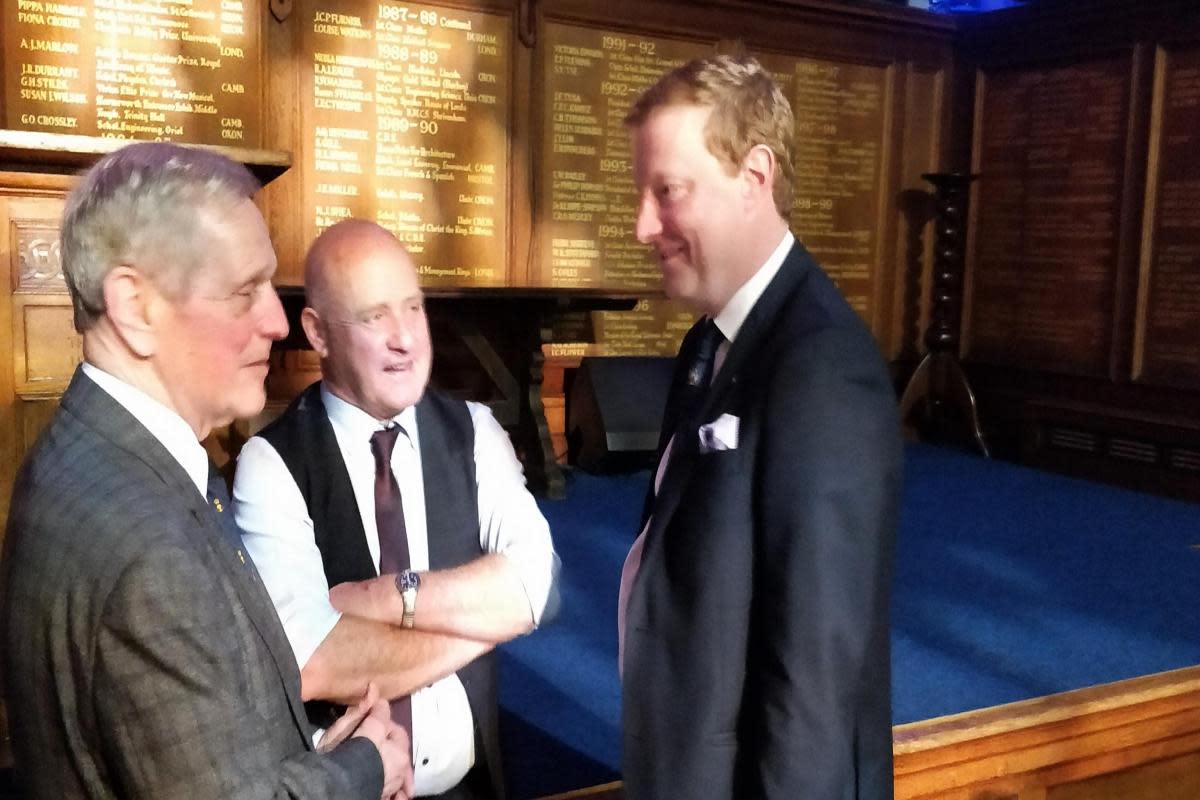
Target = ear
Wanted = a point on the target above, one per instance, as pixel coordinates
(758, 168)
(314, 329)
(130, 304)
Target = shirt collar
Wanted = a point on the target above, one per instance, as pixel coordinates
(165, 425)
(734, 314)
(358, 424)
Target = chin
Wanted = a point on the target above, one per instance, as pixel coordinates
(250, 404)
(401, 402)
(685, 295)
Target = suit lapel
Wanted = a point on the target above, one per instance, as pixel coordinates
(758, 323)
(97, 409)
(750, 338)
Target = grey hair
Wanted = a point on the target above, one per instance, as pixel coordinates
(147, 205)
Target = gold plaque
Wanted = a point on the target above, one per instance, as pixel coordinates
(406, 115)
(587, 201)
(840, 110)
(122, 69)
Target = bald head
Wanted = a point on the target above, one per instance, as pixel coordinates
(366, 318)
(341, 252)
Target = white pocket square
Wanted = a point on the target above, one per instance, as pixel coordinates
(720, 434)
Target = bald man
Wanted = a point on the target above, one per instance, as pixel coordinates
(391, 523)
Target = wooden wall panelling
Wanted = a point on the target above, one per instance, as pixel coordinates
(844, 206)
(889, 267)
(404, 114)
(9, 436)
(523, 131)
(29, 211)
(281, 200)
(1129, 236)
(923, 137)
(1166, 347)
(1127, 415)
(158, 74)
(1175, 778)
(1051, 151)
(38, 346)
(46, 348)
(586, 200)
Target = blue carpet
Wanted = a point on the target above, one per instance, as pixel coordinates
(1013, 583)
(1010, 583)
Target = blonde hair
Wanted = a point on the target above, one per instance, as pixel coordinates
(748, 109)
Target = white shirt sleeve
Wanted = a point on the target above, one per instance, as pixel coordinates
(278, 532)
(510, 522)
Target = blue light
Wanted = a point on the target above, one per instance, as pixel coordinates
(970, 6)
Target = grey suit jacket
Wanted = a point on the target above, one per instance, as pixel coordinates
(756, 649)
(142, 657)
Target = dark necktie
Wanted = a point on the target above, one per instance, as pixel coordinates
(700, 371)
(393, 537)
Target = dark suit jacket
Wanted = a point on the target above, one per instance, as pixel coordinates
(756, 651)
(142, 657)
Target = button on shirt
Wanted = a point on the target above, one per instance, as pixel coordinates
(279, 534)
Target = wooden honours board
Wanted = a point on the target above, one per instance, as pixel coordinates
(839, 145)
(406, 111)
(586, 193)
(588, 214)
(1051, 158)
(654, 327)
(133, 69)
(1169, 307)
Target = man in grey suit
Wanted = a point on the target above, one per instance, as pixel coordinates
(142, 655)
(754, 604)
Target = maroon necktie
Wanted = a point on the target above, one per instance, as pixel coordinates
(393, 538)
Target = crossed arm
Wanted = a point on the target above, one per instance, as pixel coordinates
(350, 636)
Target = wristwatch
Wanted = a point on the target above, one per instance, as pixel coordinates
(407, 583)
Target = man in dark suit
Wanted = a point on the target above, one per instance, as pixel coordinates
(142, 655)
(754, 604)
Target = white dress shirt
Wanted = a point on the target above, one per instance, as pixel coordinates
(729, 321)
(278, 531)
(164, 424)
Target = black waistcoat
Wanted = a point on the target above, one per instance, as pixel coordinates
(304, 439)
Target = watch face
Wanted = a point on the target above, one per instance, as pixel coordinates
(408, 580)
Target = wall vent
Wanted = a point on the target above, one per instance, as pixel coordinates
(1133, 450)
(1071, 439)
(1185, 458)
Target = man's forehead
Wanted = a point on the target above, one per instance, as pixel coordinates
(384, 276)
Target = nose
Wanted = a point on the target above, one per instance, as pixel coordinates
(648, 225)
(272, 320)
(401, 331)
